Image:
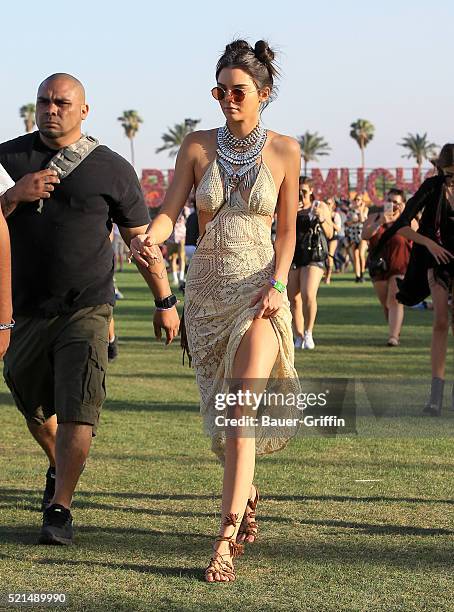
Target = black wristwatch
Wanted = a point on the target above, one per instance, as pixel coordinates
(166, 303)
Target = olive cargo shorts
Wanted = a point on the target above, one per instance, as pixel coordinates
(58, 366)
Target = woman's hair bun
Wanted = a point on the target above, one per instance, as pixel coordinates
(263, 52)
(257, 61)
(238, 45)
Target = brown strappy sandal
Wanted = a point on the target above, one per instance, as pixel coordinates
(218, 565)
(249, 527)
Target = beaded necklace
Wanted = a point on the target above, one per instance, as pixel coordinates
(242, 153)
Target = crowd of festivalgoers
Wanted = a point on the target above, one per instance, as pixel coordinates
(336, 236)
(332, 236)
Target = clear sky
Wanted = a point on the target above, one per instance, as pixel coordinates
(389, 62)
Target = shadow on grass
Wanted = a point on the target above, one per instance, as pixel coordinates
(155, 375)
(16, 494)
(104, 536)
(351, 498)
(9, 498)
(179, 572)
(132, 406)
(340, 550)
(30, 502)
(372, 529)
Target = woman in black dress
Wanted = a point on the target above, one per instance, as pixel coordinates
(431, 267)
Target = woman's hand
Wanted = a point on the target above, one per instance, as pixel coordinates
(268, 301)
(439, 253)
(142, 248)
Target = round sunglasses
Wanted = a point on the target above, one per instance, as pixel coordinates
(238, 95)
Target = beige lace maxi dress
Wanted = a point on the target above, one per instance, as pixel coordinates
(235, 259)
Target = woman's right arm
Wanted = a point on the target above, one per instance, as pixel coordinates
(176, 196)
(439, 253)
(371, 226)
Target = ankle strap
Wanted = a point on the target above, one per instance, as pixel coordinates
(235, 549)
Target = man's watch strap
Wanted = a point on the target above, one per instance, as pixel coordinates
(167, 302)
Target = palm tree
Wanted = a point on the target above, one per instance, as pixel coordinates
(362, 131)
(418, 147)
(312, 145)
(27, 113)
(130, 120)
(174, 137)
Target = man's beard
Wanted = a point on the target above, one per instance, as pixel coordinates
(52, 134)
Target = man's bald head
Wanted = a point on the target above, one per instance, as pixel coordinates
(60, 109)
(68, 81)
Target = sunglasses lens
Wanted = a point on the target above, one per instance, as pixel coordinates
(218, 93)
(238, 95)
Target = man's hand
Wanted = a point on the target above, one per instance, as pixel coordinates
(167, 320)
(5, 335)
(31, 187)
(35, 186)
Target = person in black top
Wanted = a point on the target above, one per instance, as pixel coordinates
(305, 273)
(431, 266)
(62, 281)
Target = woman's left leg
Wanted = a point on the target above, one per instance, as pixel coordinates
(331, 250)
(362, 256)
(310, 277)
(296, 305)
(252, 366)
(395, 310)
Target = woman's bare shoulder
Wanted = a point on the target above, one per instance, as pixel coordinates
(199, 144)
(284, 145)
(201, 137)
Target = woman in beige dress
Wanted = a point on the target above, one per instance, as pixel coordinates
(236, 311)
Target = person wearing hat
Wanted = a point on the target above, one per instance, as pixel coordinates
(431, 266)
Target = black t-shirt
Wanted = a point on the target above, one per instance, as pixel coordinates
(62, 258)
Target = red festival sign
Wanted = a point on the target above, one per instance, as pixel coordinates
(334, 182)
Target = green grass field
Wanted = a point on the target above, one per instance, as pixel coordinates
(146, 508)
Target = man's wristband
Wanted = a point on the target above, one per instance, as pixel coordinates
(166, 303)
(277, 285)
(4, 326)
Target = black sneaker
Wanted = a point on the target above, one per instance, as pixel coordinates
(112, 350)
(49, 490)
(57, 526)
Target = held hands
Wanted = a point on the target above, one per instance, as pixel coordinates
(35, 186)
(439, 253)
(268, 301)
(144, 250)
(168, 321)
